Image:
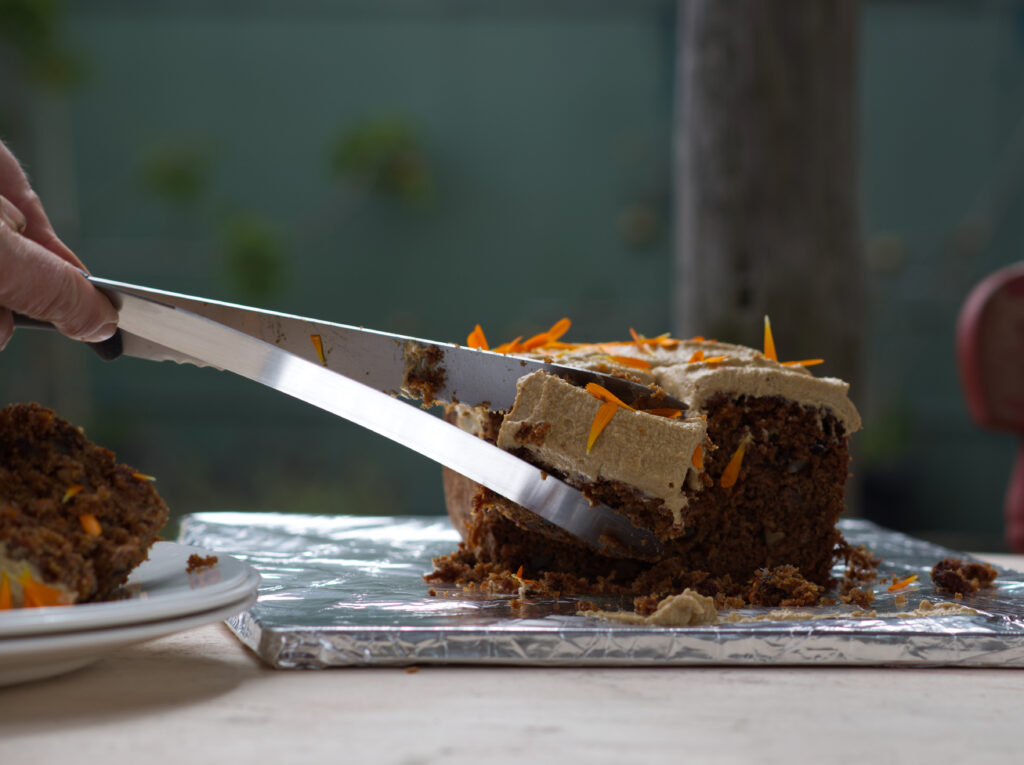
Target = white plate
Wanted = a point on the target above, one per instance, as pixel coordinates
(160, 589)
(36, 657)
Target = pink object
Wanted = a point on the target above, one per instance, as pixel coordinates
(990, 354)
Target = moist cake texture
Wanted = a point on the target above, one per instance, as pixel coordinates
(744, 487)
(73, 521)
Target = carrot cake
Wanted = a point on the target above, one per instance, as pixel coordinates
(73, 522)
(744, 487)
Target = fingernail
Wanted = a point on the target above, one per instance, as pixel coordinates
(101, 334)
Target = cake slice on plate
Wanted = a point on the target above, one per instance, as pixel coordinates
(73, 521)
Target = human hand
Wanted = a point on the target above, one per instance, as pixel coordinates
(39, 275)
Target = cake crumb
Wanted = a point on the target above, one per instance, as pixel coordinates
(198, 562)
(962, 577)
(782, 586)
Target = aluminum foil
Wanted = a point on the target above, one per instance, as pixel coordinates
(348, 591)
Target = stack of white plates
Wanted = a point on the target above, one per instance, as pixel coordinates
(163, 599)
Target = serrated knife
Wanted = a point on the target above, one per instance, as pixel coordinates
(355, 373)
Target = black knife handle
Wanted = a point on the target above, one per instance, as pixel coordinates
(108, 349)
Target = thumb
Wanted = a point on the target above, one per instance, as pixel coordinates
(41, 285)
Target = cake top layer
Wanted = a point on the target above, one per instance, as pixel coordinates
(695, 370)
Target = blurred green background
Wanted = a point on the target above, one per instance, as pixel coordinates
(422, 166)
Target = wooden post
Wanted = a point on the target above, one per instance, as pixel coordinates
(766, 178)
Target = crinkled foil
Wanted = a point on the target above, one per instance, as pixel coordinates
(348, 591)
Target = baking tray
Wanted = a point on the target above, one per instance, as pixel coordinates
(342, 591)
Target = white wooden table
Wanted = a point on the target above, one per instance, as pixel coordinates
(200, 697)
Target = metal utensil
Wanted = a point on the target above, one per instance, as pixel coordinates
(352, 374)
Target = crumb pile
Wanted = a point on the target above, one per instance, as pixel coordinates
(73, 522)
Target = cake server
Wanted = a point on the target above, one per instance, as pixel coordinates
(355, 373)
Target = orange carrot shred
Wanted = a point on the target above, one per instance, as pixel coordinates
(697, 460)
(803, 363)
(318, 343)
(73, 489)
(143, 477)
(670, 413)
(629, 361)
(896, 586)
(602, 394)
(6, 600)
(36, 594)
(558, 329)
(90, 524)
(477, 339)
(732, 471)
(641, 341)
(604, 415)
(769, 341)
(510, 347)
(697, 356)
(715, 359)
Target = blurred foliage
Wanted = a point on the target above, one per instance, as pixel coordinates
(33, 30)
(253, 256)
(383, 155)
(175, 172)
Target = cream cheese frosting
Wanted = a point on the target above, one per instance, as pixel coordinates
(685, 609)
(551, 418)
(742, 372)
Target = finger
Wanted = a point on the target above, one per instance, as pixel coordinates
(14, 185)
(11, 215)
(6, 327)
(40, 284)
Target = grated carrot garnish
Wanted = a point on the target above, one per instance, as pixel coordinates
(669, 413)
(477, 339)
(697, 356)
(639, 339)
(90, 524)
(769, 341)
(143, 477)
(318, 343)
(697, 460)
(518, 576)
(715, 359)
(73, 489)
(604, 415)
(896, 586)
(803, 363)
(558, 329)
(732, 471)
(36, 594)
(696, 339)
(510, 347)
(629, 361)
(6, 600)
(605, 395)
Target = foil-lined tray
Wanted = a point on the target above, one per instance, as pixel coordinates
(348, 591)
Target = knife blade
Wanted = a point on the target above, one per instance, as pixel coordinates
(391, 363)
(199, 339)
